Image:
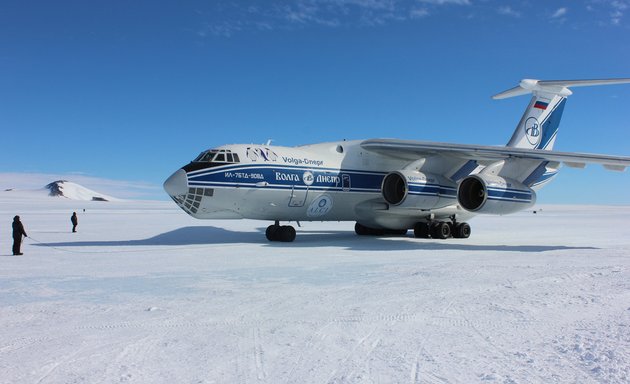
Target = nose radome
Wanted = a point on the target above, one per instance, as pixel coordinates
(177, 183)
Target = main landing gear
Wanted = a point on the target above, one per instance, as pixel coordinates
(422, 229)
(441, 230)
(362, 230)
(283, 233)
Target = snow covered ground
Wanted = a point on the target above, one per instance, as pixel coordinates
(145, 294)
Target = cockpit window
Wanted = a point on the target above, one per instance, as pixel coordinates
(217, 156)
(212, 158)
(206, 156)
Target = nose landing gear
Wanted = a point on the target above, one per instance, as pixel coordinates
(283, 233)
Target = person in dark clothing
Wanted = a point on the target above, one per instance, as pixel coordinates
(18, 232)
(74, 221)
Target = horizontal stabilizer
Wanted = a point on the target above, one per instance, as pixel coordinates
(555, 87)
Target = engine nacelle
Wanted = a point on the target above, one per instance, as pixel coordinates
(413, 189)
(494, 195)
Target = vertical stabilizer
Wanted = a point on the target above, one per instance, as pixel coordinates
(538, 128)
(539, 125)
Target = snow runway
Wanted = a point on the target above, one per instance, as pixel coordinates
(143, 293)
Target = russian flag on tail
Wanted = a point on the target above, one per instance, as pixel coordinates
(541, 105)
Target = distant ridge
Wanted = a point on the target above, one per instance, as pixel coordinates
(55, 188)
(73, 191)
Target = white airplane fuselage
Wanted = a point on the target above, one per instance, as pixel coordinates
(337, 181)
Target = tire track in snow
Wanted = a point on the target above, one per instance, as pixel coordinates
(68, 359)
(417, 374)
(259, 355)
(307, 347)
(353, 352)
(24, 342)
(257, 322)
(118, 367)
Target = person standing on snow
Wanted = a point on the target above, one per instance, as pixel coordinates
(18, 232)
(75, 221)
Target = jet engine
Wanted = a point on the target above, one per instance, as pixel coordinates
(413, 189)
(494, 195)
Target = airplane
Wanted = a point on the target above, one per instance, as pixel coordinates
(388, 186)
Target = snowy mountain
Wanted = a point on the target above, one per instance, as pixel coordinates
(62, 188)
(73, 191)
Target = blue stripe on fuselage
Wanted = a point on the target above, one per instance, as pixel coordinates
(285, 177)
(289, 176)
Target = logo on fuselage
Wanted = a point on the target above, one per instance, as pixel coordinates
(258, 153)
(533, 131)
(320, 206)
(308, 178)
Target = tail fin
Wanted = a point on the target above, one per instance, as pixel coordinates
(538, 127)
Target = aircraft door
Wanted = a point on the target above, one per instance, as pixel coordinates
(345, 182)
(298, 196)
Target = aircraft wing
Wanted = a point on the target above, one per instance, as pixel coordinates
(408, 149)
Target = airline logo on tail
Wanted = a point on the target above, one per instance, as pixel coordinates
(532, 131)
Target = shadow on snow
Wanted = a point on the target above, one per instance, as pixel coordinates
(208, 235)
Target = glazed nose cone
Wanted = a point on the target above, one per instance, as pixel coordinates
(177, 183)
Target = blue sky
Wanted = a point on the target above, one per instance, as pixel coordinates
(130, 91)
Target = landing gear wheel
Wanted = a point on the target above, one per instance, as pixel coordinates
(462, 231)
(271, 232)
(421, 230)
(284, 233)
(361, 230)
(440, 230)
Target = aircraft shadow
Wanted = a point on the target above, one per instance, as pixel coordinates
(180, 236)
(349, 240)
(208, 235)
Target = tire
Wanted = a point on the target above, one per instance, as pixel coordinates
(462, 231)
(397, 232)
(378, 231)
(441, 230)
(272, 232)
(286, 234)
(421, 230)
(360, 229)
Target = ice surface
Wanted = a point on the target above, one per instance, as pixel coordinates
(145, 294)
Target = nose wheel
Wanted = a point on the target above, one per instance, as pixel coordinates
(283, 233)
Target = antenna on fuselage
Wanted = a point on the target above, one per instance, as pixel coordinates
(269, 142)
